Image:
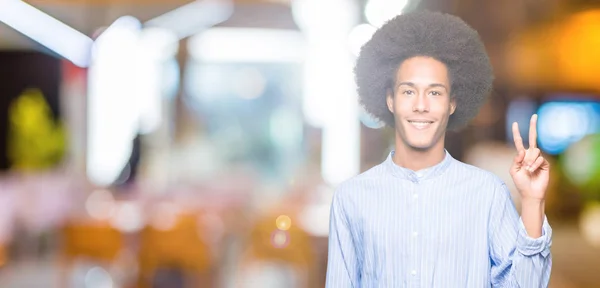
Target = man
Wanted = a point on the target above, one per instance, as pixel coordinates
(422, 218)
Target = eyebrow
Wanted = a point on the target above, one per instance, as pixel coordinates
(411, 84)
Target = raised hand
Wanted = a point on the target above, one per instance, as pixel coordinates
(530, 171)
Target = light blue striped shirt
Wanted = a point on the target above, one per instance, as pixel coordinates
(454, 226)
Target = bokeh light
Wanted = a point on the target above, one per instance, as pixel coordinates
(283, 222)
(280, 239)
(589, 224)
(359, 36)
(562, 123)
(128, 217)
(369, 121)
(249, 83)
(100, 204)
(378, 12)
(97, 277)
(165, 215)
(581, 163)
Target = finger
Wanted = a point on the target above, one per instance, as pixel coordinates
(518, 162)
(536, 164)
(545, 165)
(530, 157)
(533, 131)
(517, 137)
(520, 157)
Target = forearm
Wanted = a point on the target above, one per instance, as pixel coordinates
(530, 263)
(520, 246)
(527, 271)
(532, 215)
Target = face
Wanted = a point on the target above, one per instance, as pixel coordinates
(421, 103)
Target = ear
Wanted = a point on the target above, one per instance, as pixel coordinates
(452, 105)
(389, 99)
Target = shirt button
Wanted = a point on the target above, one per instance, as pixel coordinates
(413, 272)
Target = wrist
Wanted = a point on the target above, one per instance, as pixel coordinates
(532, 214)
(533, 206)
(532, 201)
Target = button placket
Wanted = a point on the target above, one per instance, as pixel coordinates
(415, 244)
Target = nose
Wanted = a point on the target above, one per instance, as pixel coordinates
(421, 103)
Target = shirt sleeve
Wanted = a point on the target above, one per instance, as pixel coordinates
(517, 259)
(343, 265)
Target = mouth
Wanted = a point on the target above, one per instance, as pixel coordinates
(420, 124)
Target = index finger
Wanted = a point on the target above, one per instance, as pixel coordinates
(533, 131)
(517, 137)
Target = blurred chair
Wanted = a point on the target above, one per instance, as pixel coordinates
(167, 254)
(278, 254)
(95, 240)
(3, 255)
(92, 241)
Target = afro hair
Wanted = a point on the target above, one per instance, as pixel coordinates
(443, 37)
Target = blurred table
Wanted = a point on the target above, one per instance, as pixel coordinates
(576, 264)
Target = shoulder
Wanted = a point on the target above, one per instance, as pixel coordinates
(482, 181)
(360, 185)
(486, 188)
(476, 174)
(362, 181)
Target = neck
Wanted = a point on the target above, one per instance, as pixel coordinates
(415, 159)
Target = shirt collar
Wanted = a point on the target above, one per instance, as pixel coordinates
(421, 175)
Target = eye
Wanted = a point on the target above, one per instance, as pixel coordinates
(435, 93)
(408, 92)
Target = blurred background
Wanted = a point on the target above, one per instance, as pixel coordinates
(198, 143)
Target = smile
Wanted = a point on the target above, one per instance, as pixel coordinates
(420, 124)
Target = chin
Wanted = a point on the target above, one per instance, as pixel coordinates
(420, 146)
(421, 142)
(418, 140)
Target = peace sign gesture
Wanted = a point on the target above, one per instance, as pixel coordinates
(530, 171)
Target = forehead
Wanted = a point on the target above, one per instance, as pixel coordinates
(422, 69)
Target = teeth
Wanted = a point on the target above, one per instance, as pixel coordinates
(420, 124)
